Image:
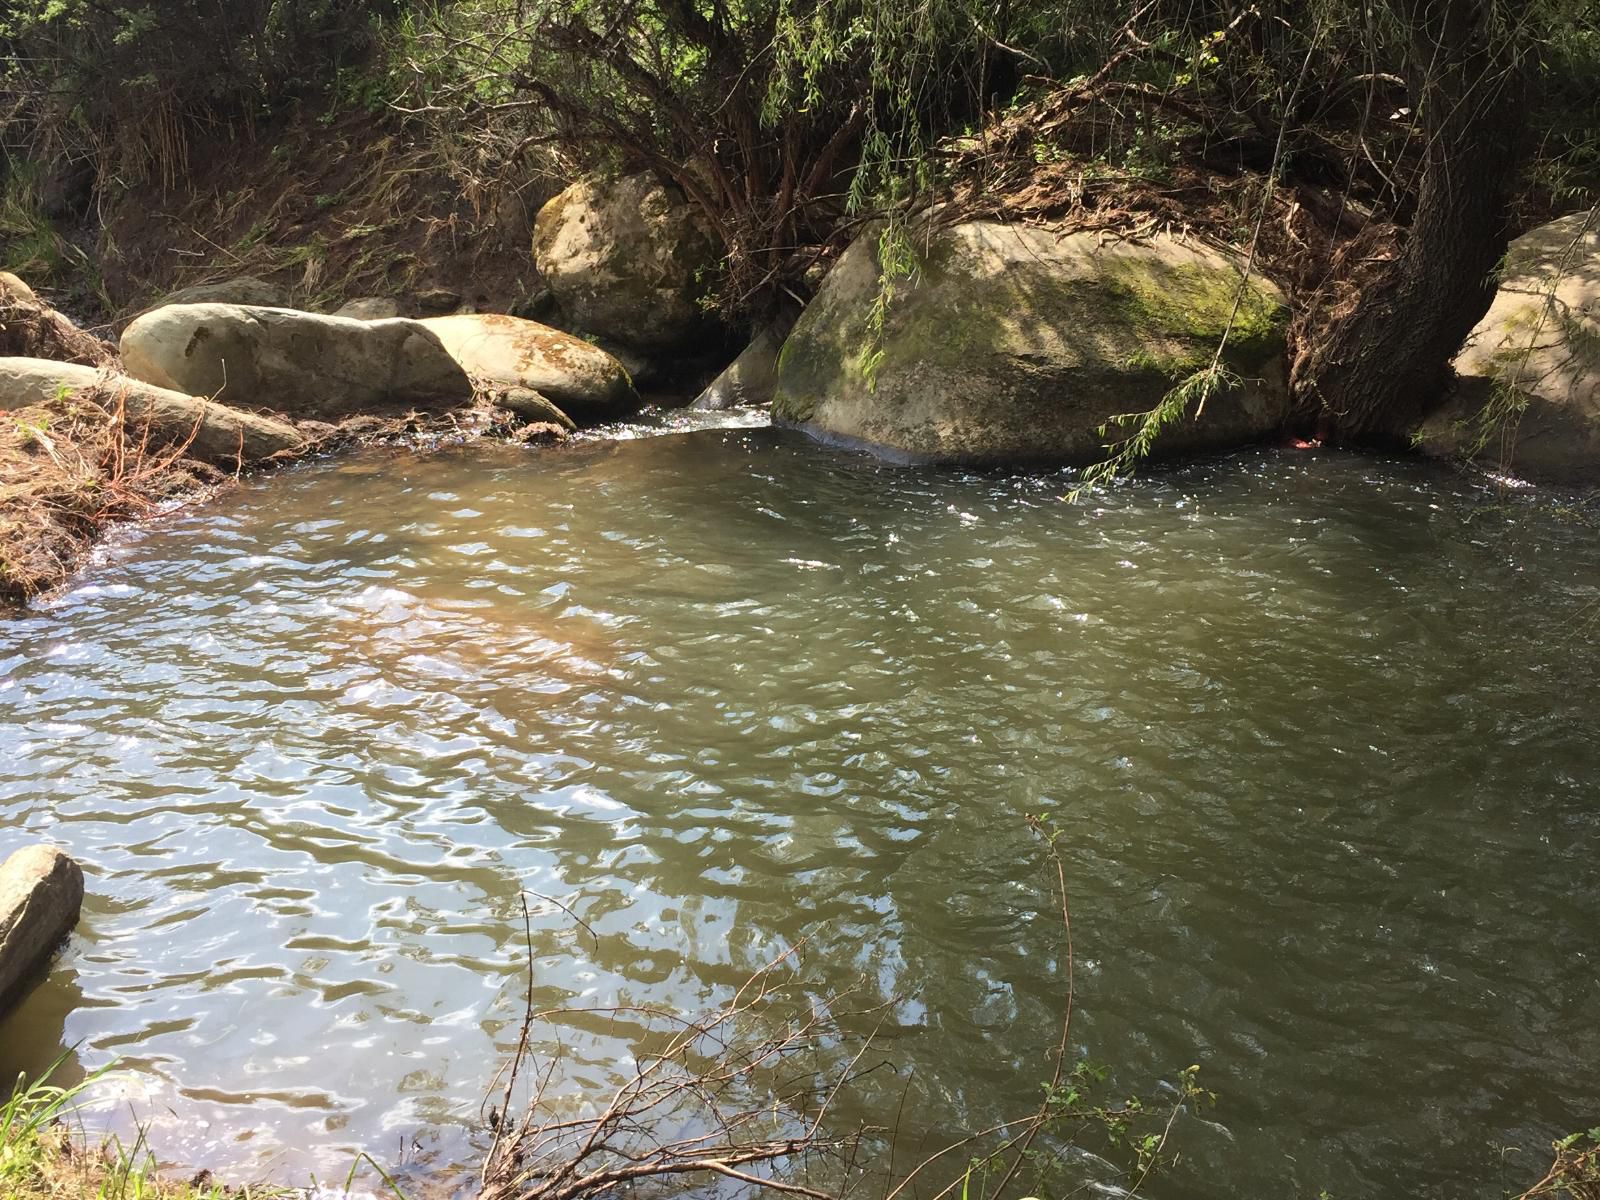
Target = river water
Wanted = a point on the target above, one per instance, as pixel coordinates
(1317, 733)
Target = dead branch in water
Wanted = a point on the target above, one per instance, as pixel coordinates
(1575, 1173)
(715, 1083)
(744, 1092)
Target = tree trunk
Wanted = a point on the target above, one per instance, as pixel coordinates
(1379, 365)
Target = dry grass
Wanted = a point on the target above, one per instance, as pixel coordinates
(68, 468)
(30, 328)
(359, 206)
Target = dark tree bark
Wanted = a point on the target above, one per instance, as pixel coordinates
(1381, 362)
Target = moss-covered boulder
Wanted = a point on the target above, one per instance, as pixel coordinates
(1528, 377)
(626, 260)
(1015, 344)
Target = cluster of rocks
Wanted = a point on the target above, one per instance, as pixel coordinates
(41, 898)
(1014, 343)
(1010, 344)
(237, 383)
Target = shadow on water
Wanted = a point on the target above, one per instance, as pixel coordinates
(33, 1036)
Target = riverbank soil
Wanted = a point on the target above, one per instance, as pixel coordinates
(327, 207)
(49, 1166)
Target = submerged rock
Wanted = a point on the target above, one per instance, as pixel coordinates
(300, 363)
(752, 378)
(246, 289)
(534, 407)
(502, 352)
(1528, 394)
(1017, 343)
(212, 433)
(41, 897)
(625, 259)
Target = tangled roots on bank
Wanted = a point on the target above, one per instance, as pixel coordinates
(70, 466)
(30, 328)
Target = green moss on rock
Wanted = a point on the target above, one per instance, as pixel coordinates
(1015, 343)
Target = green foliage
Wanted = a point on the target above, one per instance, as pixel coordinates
(782, 120)
(1575, 1171)
(128, 81)
(1567, 164)
(1126, 453)
(897, 264)
(33, 248)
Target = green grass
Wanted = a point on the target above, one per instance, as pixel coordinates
(34, 250)
(41, 1159)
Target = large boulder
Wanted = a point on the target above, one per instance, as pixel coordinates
(626, 260)
(502, 352)
(1528, 377)
(1016, 344)
(212, 433)
(300, 363)
(245, 289)
(41, 897)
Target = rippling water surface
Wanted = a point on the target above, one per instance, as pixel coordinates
(1319, 734)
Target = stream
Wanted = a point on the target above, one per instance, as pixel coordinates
(1317, 734)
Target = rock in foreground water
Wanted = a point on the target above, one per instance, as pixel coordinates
(41, 896)
(502, 352)
(299, 363)
(1015, 344)
(212, 433)
(1528, 394)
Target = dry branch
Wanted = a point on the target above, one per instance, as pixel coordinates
(714, 1082)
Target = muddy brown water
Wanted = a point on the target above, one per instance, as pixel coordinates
(1318, 733)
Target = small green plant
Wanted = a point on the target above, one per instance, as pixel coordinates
(1075, 1105)
(897, 265)
(34, 249)
(25, 1119)
(1575, 1173)
(1126, 453)
(35, 1164)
